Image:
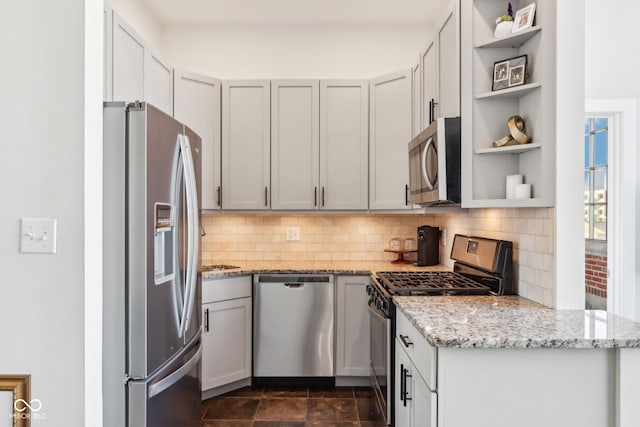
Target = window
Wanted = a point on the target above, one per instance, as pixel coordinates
(596, 136)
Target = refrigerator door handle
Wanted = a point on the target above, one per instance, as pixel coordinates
(193, 229)
(176, 375)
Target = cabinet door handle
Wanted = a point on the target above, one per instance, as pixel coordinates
(430, 112)
(433, 110)
(402, 385)
(406, 393)
(219, 190)
(206, 320)
(405, 340)
(266, 203)
(322, 196)
(406, 194)
(315, 196)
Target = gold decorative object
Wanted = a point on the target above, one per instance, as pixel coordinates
(516, 133)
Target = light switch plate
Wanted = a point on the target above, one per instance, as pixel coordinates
(38, 235)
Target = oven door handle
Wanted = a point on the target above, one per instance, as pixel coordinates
(376, 313)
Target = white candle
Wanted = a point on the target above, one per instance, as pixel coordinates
(512, 182)
(523, 191)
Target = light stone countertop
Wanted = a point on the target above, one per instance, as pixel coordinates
(360, 268)
(514, 322)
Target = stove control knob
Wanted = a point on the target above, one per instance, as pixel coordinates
(384, 305)
(369, 290)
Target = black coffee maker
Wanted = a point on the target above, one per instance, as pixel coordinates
(428, 246)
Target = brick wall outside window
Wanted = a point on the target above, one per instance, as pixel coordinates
(596, 275)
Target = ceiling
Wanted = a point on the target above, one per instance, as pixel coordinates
(295, 11)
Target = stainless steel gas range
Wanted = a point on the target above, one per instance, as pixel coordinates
(482, 267)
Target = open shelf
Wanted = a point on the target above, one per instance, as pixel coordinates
(512, 92)
(510, 149)
(513, 40)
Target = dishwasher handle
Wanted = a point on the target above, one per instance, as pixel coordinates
(294, 285)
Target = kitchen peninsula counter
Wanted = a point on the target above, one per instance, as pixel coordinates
(514, 322)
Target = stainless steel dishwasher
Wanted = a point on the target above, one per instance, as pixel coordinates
(293, 328)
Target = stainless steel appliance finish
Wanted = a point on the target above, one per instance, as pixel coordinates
(293, 329)
(152, 286)
(434, 164)
(382, 321)
(482, 267)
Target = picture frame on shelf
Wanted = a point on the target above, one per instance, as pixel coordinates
(509, 73)
(523, 18)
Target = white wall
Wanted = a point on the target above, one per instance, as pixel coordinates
(42, 173)
(294, 51)
(612, 65)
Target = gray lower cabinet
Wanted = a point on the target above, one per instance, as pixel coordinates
(227, 326)
(352, 326)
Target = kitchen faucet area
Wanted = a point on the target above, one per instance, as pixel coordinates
(303, 213)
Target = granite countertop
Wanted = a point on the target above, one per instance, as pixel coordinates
(363, 268)
(514, 322)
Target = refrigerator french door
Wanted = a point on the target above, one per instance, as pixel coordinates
(151, 279)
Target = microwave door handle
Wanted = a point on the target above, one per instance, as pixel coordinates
(425, 175)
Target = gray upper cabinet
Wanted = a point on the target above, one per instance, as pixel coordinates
(416, 82)
(429, 71)
(128, 62)
(246, 144)
(344, 144)
(448, 47)
(158, 82)
(319, 144)
(294, 144)
(132, 71)
(197, 104)
(390, 106)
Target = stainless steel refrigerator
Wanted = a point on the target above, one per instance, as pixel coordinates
(151, 279)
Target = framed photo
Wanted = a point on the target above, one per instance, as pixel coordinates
(15, 395)
(509, 72)
(524, 18)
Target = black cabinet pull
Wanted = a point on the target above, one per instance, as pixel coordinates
(402, 385)
(315, 196)
(322, 196)
(406, 194)
(432, 110)
(219, 195)
(406, 393)
(405, 340)
(266, 203)
(206, 320)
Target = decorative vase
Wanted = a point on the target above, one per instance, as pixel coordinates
(503, 28)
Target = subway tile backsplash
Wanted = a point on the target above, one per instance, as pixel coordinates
(363, 237)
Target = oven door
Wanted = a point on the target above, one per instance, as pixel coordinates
(380, 364)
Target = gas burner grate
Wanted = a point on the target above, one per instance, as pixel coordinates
(432, 282)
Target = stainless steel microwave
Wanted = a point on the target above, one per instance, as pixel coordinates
(434, 164)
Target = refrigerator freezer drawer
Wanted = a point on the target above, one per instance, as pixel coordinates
(171, 397)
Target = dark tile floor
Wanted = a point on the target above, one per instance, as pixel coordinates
(292, 407)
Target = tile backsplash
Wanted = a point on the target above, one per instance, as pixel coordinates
(363, 237)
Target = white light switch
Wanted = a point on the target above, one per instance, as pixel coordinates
(38, 235)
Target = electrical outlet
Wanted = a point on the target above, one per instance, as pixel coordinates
(443, 237)
(293, 233)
